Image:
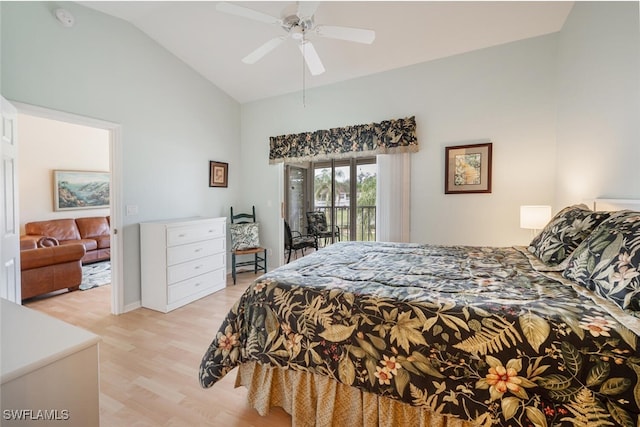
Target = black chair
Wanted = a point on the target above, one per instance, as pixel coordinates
(319, 228)
(245, 241)
(295, 241)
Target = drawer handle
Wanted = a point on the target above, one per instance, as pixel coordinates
(211, 231)
(181, 235)
(197, 284)
(198, 250)
(197, 267)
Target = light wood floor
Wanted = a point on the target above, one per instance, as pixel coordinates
(149, 361)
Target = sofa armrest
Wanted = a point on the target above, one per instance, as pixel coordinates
(34, 241)
(42, 257)
(29, 242)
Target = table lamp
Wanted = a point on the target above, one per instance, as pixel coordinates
(534, 217)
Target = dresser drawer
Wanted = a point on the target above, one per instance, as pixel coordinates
(195, 285)
(195, 233)
(185, 270)
(192, 251)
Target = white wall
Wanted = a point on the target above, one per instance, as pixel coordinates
(504, 93)
(599, 102)
(48, 145)
(173, 121)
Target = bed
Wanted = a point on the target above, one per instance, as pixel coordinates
(368, 333)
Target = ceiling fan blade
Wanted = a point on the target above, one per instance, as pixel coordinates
(257, 54)
(306, 9)
(245, 12)
(358, 35)
(311, 58)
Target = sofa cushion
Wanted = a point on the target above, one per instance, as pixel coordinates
(61, 229)
(92, 227)
(103, 242)
(89, 244)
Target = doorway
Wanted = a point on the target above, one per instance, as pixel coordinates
(31, 115)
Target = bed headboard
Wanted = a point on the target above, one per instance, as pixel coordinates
(615, 204)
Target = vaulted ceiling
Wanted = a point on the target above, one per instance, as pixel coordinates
(213, 42)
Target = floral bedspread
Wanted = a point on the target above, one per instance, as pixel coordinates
(472, 332)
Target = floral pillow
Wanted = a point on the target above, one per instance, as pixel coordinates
(244, 236)
(608, 261)
(562, 235)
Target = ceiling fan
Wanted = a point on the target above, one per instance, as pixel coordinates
(298, 22)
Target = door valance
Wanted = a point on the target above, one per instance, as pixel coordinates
(386, 137)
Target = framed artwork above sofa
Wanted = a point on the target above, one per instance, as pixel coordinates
(74, 190)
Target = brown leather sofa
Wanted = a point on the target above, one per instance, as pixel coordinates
(48, 267)
(92, 232)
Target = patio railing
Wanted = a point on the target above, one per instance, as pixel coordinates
(365, 222)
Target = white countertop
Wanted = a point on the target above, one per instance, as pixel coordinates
(30, 340)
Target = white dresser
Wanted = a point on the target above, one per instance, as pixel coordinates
(181, 261)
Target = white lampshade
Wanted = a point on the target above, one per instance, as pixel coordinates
(534, 217)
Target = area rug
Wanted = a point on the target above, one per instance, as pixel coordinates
(96, 274)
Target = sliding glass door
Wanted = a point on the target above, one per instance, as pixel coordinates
(296, 197)
(346, 191)
(365, 209)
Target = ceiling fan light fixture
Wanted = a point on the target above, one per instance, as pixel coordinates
(65, 17)
(297, 20)
(297, 33)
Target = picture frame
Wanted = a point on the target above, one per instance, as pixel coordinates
(468, 168)
(75, 190)
(218, 174)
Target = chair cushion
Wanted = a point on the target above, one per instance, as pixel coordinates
(317, 222)
(304, 241)
(245, 236)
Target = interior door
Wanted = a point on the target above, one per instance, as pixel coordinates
(9, 226)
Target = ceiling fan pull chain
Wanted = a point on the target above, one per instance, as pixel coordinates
(304, 98)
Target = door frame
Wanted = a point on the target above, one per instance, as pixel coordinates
(115, 167)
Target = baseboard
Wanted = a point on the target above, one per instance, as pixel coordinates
(132, 306)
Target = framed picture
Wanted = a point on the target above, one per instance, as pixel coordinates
(218, 174)
(467, 169)
(80, 190)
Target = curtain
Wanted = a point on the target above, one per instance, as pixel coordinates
(389, 136)
(393, 197)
